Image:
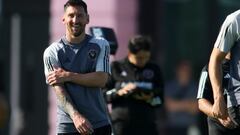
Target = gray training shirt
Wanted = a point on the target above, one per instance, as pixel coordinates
(228, 41)
(91, 55)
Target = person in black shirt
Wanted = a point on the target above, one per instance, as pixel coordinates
(216, 126)
(135, 90)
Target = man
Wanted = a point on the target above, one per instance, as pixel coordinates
(77, 66)
(135, 90)
(216, 126)
(227, 41)
(181, 106)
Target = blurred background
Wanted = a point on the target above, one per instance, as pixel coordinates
(180, 29)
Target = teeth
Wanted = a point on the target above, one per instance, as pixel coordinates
(76, 25)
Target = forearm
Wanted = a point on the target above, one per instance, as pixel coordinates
(64, 100)
(206, 107)
(183, 105)
(94, 79)
(215, 74)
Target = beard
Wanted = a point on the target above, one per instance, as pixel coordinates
(76, 32)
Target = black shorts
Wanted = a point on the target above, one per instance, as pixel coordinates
(234, 114)
(105, 130)
(215, 128)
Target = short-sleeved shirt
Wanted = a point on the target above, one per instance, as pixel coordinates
(228, 41)
(129, 110)
(91, 55)
(205, 87)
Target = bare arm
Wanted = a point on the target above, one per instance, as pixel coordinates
(65, 102)
(206, 107)
(183, 105)
(94, 79)
(215, 74)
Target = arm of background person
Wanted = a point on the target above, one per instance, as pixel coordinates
(186, 105)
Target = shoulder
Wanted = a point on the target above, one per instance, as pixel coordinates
(53, 48)
(99, 41)
(119, 65)
(233, 17)
(118, 62)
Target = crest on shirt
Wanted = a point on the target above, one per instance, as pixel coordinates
(148, 74)
(92, 54)
(124, 73)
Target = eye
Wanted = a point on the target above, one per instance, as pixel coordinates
(80, 15)
(71, 15)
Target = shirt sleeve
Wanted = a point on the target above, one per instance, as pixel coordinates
(202, 84)
(50, 61)
(228, 34)
(103, 58)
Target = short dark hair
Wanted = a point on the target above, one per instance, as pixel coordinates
(139, 43)
(76, 3)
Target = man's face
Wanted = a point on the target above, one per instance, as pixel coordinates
(139, 59)
(75, 20)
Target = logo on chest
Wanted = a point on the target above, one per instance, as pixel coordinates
(92, 54)
(148, 74)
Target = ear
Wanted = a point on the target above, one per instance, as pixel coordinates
(88, 19)
(63, 19)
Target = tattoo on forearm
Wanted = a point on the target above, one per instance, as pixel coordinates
(63, 98)
(64, 101)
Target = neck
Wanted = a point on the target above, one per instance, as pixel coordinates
(131, 60)
(75, 40)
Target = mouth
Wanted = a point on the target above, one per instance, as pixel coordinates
(76, 27)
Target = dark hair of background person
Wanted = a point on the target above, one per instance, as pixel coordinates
(139, 43)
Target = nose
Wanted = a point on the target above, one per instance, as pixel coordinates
(75, 19)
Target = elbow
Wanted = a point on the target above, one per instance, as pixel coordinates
(103, 80)
(216, 56)
(201, 105)
(102, 85)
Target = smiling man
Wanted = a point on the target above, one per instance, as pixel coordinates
(77, 66)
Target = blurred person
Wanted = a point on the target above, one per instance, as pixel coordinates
(181, 105)
(216, 126)
(135, 90)
(77, 66)
(227, 41)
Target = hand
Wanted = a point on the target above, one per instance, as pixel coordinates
(219, 108)
(57, 76)
(227, 123)
(144, 97)
(129, 88)
(82, 125)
